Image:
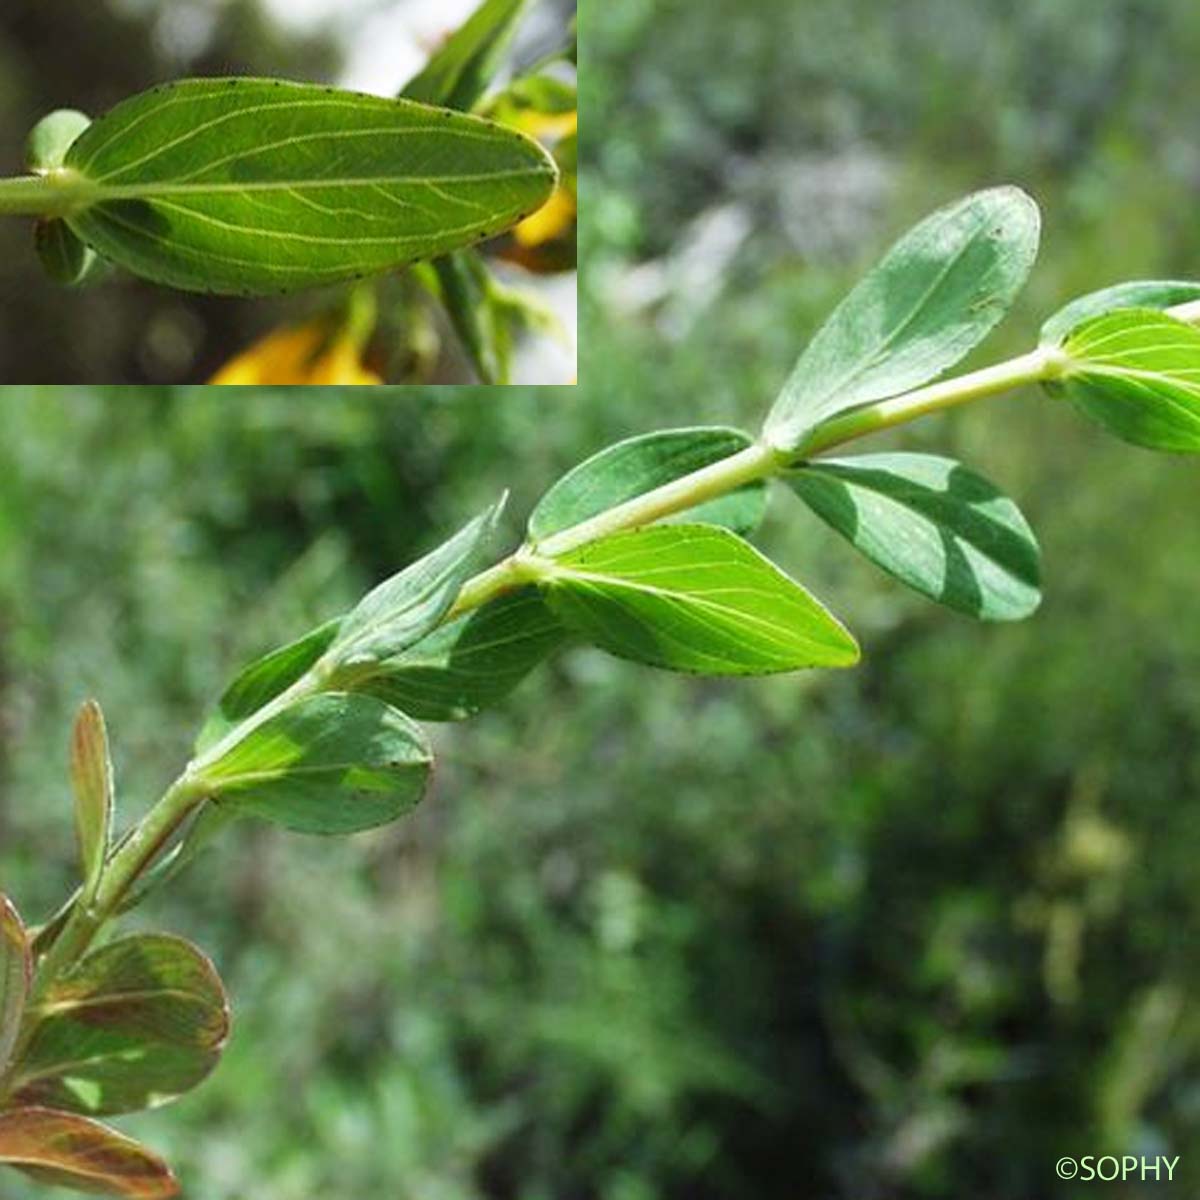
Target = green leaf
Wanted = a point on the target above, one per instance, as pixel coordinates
(92, 782)
(460, 72)
(1137, 373)
(134, 1025)
(332, 763)
(259, 185)
(639, 465)
(937, 293)
(403, 609)
(265, 679)
(934, 525)
(67, 1151)
(51, 138)
(694, 598)
(16, 975)
(1139, 293)
(471, 663)
(465, 286)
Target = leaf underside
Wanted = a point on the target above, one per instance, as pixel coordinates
(1137, 373)
(258, 185)
(694, 598)
(935, 295)
(943, 530)
(639, 465)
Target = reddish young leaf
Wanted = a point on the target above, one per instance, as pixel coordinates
(73, 1152)
(16, 970)
(92, 780)
(137, 1023)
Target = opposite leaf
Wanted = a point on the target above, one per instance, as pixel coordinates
(1139, 293)
(934, 525)
(937, 293)
(403, 609)
(258, 185)
(334, 763)
(471, 663)
(92, 782)
(134, 1025)
(73, 1152)
(16, 975)
(460, 72)
(641, 464)
(694, 598)
(1137, 372)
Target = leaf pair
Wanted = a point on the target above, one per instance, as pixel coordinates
(134, 1025)
(349, 758)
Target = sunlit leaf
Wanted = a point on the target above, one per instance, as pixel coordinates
(406, 607)
(92, 782)
(694, 598)
(471, 663)
(16, 973)
(332, 763)
(68, 1151)
(1137, 373)
(136, 1024)
(935, 295)
(1139, 293)
(641, 464)
(260, 185)
(934, 525)
(265, 679)
(461, 70)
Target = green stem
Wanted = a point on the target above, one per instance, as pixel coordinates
(1045, 363)
(54, 194)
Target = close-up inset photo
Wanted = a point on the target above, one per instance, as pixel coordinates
(256, 192)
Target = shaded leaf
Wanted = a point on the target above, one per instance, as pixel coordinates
(403, 609)
(332, 763)
(694, 598)
(464, 283)
(260, 185)
(1137, 373)
(935, 295)
(265, 679)
(73, 1152)
(934, 525)
(92, 782)
(136, 1024)
(63, 256)
(471, 663)
(1139, 293)
(460, 72)
(640, 464)
(16, 975)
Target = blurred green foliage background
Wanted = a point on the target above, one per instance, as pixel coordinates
(916, 930)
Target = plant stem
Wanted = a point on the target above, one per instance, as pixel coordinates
(1047, 362)
(54, 194)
